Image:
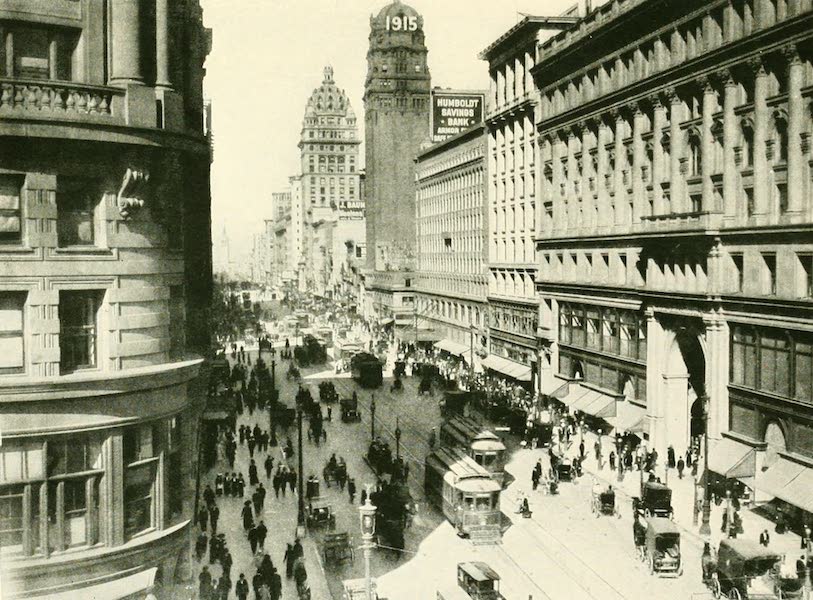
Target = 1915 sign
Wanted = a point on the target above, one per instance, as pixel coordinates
(454, 112)
(403, 23)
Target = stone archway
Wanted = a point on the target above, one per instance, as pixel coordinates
(577, 370)
(684, 377)
(775, 443)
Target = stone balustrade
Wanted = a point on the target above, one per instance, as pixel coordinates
(57, 97)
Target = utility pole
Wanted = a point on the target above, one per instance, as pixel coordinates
(415, 320)
(300, 515)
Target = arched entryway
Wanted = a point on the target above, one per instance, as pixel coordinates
(775, 443)
(684, 378)
(577, 370)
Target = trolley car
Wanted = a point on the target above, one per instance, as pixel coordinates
(466, 493)
(482, 445)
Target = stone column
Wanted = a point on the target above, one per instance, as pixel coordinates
(559, 218)
(53, 57)
(796, 109)
(658, 122)
(572, 169)
(675, 152)
(162, 77)
(654, 387)
(707, 143)
(638, 190)
(761, 118)
(717, 362)
(618, 186)
(586, 194)
(126, 33)
(730, 136)
(601, 185)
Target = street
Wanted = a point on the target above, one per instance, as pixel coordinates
(562, 552)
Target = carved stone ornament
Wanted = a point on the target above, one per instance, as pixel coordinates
(132, 192)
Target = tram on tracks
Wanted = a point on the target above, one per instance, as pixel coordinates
(484, 446)
(466, 493)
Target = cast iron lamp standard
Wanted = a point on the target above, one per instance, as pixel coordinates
(619, 461)
(300, 514)
(367, 519)
(705, 527)
(397, 438)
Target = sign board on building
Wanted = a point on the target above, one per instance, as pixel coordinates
(453, 112)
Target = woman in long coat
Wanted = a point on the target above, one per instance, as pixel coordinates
(248, 516)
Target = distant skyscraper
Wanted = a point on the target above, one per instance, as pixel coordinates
(396, 103)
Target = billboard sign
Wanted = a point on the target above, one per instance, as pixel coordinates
(454, 112)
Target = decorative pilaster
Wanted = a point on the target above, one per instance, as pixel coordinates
(658, 123)
(761, 118)
(620, 191)
(638, 192)
(796, 178)
(162, 78)
(675, 151)
(601, 172)
(717, 361)
(707, 142)
(730, 134)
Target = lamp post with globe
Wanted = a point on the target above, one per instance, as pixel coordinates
(367, 520)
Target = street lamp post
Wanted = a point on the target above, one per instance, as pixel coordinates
(705, 526)
(367, 518)
(273, 400)
(619, 462)
(372, 418)
(300, 515)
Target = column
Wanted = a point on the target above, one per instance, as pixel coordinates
(586, 193)
(707, 143)
(572, 169)
(638, 188)
(601, 184)
(559, 206)
(654, 390)
(761, 118)
(53, 57)
(796, 109)
(9, 43)
(675, 152)
(730, 136)
(620, 158)
(162, 78)
(126, 33)
(717, 361)
(658, 122)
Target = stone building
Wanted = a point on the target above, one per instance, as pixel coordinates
(451, 286)
(105, 284)
(280, 228)
(674, 244)
(396, 104)
(511, 196)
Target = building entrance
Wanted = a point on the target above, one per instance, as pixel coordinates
(684, 377)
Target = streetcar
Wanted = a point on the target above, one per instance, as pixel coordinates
(466, 493)
(476, 580)
(485, 447)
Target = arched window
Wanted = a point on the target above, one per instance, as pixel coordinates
(775, 442)
(695, 156)
(781, 126)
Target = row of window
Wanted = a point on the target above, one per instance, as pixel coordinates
(52, 491)
(611, 330)
(79, 331)
(611, 377)
(34, 52)
(512, 319)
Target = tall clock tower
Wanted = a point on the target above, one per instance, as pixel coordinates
(396, 103)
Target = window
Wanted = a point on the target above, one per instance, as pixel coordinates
(739, 272)
(78, 329)
(782, 196)
(407, 283)
(10, 209)
(695, 157)
(770, 273)
(76, 199)
(696, 201)
(447, 243)
(39, 53)
(806, 271)
(12, 354)
(140, 460)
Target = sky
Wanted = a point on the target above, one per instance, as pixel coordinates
(267, 58)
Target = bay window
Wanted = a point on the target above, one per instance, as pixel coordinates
(141, 450)
(37, 52)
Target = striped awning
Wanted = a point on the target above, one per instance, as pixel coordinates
(789, 481)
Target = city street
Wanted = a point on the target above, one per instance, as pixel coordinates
(560, 553)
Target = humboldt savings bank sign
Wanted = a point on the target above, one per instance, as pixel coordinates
(454, 112)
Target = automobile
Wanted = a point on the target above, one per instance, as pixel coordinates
(319, 513)
(746, 570)
(662, 547)
(655, 500)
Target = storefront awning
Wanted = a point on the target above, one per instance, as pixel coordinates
(574, 393)
(124, 587)
(407, 334)
(512, 369)
(627, 416)
(732, 459)
(590, 401)
(554, 387)
(455, 348)
(788, 481)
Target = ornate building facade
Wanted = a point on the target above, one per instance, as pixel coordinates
(396, 103)
(450, 205)
(511, 196)
(105, 285)
(674, 242)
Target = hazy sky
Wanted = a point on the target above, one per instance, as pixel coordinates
(268, 56)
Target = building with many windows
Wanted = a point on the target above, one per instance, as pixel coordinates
(105, 283)
(451, 285)
(674, 248)
(511, 196)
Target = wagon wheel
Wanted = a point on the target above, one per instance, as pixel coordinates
(734, 594)
(715, 587)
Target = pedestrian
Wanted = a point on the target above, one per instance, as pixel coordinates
(205, 582)
(262, 532)
(534, 479)
(292, 480)
(208, 494)
(214, 552)
(351, 489)
(219, 484)
(252, 540)
(324, 435)
(363, 496)
(597, 451)
(764, 538)
(200, 546)
(214, 515)
(223, 588)
(203, 518)
(247, 515)
(257, 583)
(269, 466)
(252, 443)
(612, 460)
(289, 559)
(781, 525)
(252, 473)
(670, 457)
(276, 483)
(226, 561)
(255, 499)
(228, 482)
(680, 466)
(329, 413)
(241, 485)
(276, 586)
(283, 481)
(241, 588)
(242, 434)
(581, 450)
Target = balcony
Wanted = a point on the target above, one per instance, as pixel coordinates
(61, 101)
(699, 222)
